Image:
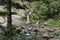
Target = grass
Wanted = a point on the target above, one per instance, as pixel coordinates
(53, 23)
(2, 9)
(56, 33)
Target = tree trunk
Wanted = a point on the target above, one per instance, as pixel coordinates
(9, 18)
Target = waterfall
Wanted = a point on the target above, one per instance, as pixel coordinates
(28, 17)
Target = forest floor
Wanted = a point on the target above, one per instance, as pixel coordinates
(47, 33)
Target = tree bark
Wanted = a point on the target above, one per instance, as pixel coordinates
(9, 16)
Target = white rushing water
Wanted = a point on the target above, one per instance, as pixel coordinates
(37, 23)
(28, 17)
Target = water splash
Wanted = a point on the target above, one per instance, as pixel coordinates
(37, 23)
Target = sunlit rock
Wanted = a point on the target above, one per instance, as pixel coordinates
(2, 19)
(27, 34)
(16, 20)
(30, 28)
(4, 24)
(51, 30)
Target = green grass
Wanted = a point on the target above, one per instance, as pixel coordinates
(56, 33)
(2, 9)
(53, 23)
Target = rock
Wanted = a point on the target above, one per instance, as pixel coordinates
(1, 19)
(36, 30)
(45, 36)
(51, 36)
(51, 30)
(16, 20)
(55, 38)
(52, 39)
(30, 28)
(4, 24)
(27, 34)
(19, 12)
(42, 26)
(42, 29)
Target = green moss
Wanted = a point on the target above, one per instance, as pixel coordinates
(56, 33)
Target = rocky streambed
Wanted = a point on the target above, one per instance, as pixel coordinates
(42, 33)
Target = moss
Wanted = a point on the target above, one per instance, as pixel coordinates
(56, 33)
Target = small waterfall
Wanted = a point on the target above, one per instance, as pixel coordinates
(28, 17)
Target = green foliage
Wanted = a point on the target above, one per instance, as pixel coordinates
(39, 10)
(45, 9)
(8, 34)
(3, 11)
(57, 23)
(42, 9)
(50, 23)
(53, 22)
(11, 34)
(56, 33)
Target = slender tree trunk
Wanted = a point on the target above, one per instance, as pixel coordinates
(9, 18)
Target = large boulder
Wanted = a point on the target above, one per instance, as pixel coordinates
(16, 20)
(3, 21)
